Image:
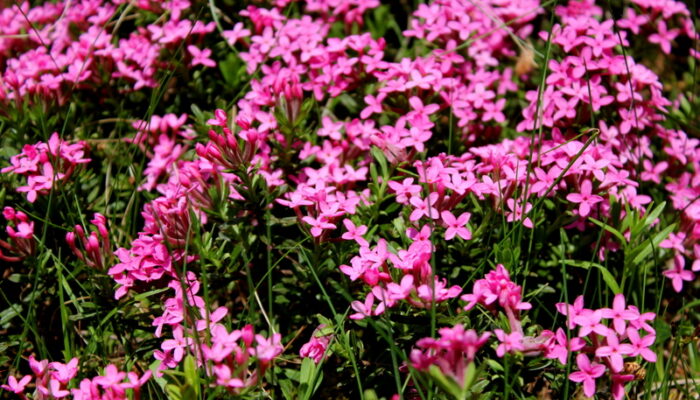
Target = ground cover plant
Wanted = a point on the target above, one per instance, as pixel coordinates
(349, 199)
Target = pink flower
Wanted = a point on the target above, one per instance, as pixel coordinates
(318, 225)
(618, 385)
(366, 309)
(111, 380)
(589, 321)
(452, 352)
(64, 372)
(640, 346)
(517, 212)
(571, 311)
(456, 226)
(178, 344)
(585, 198)
(267, 349)
(355, 233)
(619, 313)
(15, 386)
(374, 105)
(424, 207)
(587, 374)
(674, 241)
(678, 273)
(614, 351)
(237, 33)
(57, 390)
(560, 346)
(663, 37)
(200, 57)
(317, 346)
(510, 342)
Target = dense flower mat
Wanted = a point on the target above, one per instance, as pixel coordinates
(349, 199)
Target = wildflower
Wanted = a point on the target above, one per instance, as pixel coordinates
(316, 347)
(614, 350)
(640, 345)
(585, 199)
(456, 226)
(510, 342)
(452, 352)
(588, 372)
(619, 313)
(15, 386)
(678, 273)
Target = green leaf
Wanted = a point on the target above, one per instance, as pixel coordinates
(470, 375)
(378, 155)
(494, 365)
(191, 373)
(446, 383)
(643, 250)
(174, 392)
(232, 69)
(654, 214)
(610, 229)
(288, 389)
(309, 379)
(605, 273)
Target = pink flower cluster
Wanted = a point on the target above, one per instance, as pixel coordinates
(411, 277)
(21, 232)
(607, 336)
(452, 352)
(317, 347)
(237, 359)
(497, 287)
(52, 49)
(97, 250)
(45, 164)
(158, 138)
(52, 379)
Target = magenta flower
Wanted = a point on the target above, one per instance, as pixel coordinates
(200, 57)
(355, 233)
(317, 346)
(640, 346)
(678, 273)
(15, 386)
(614, 351)
(374, 105)
(589, 321)
(664, 36)
(585, 199)
(571, 310)
(318, 225)
(510, 342)
(587, 374)
(619, 313)
(456, 226)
